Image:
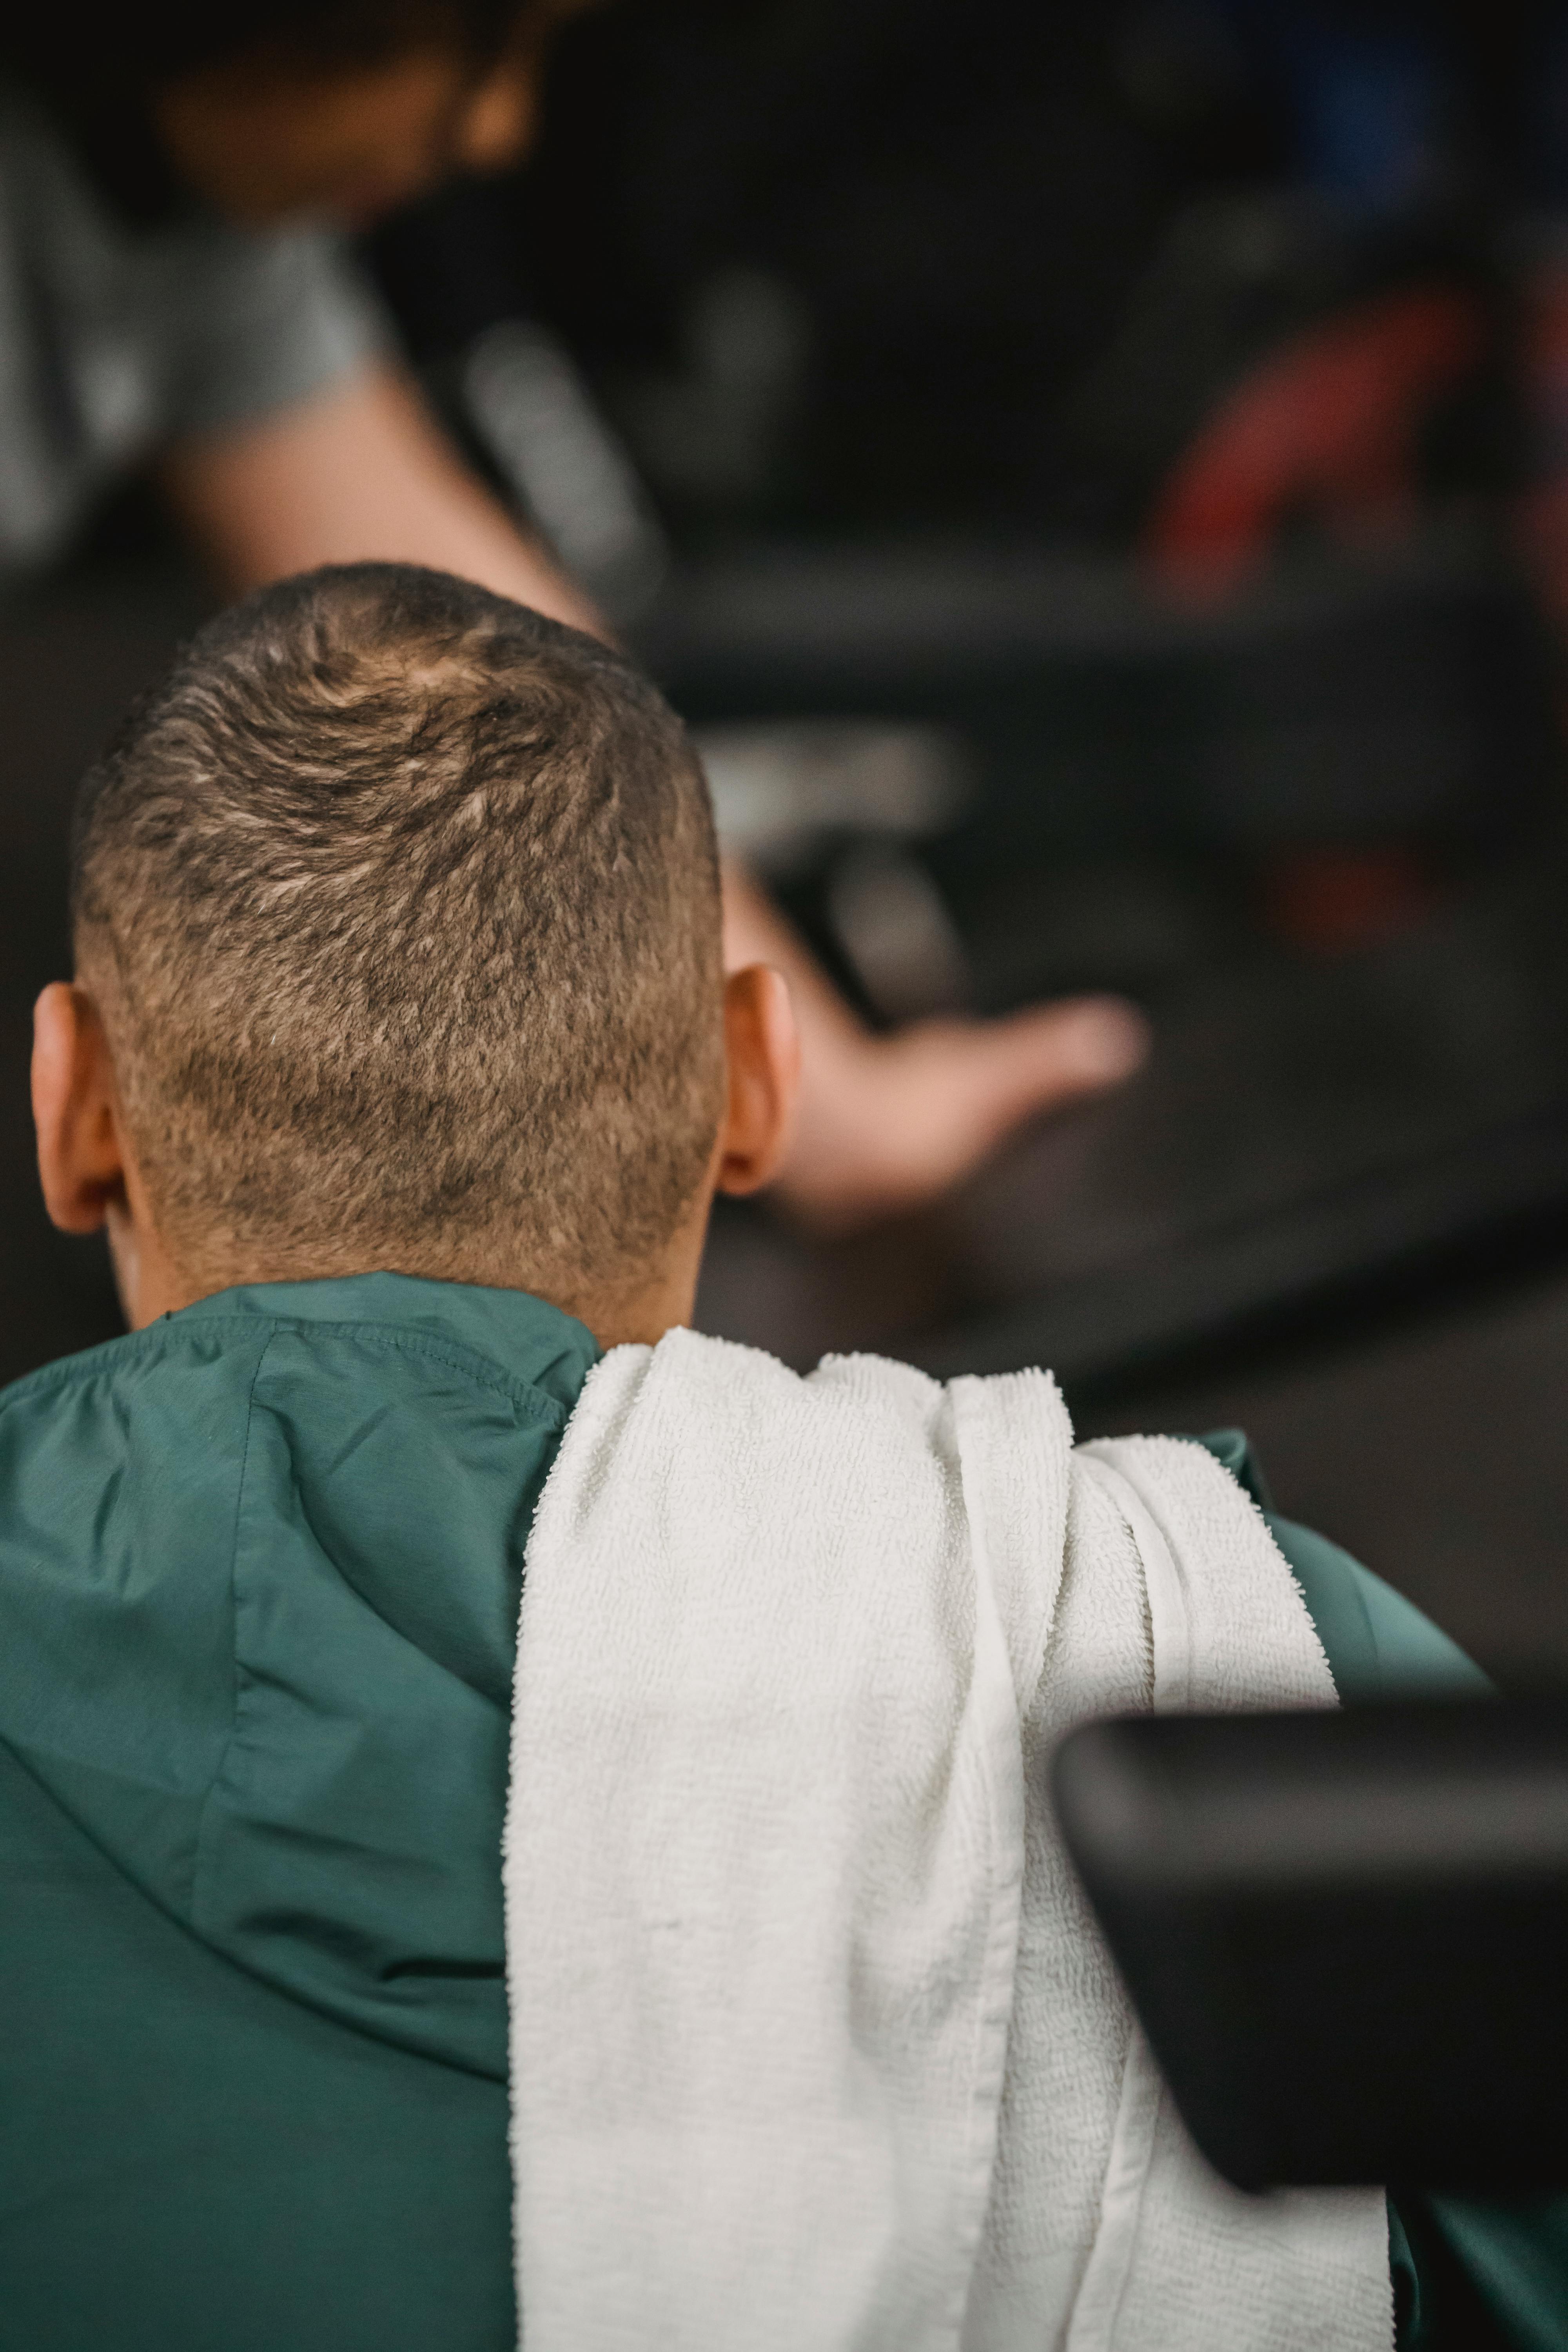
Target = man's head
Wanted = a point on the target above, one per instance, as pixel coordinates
(398, 934)
(272, 108)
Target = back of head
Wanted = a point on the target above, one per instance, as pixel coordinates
(401, 906)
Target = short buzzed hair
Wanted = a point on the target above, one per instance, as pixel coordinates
(401, 904)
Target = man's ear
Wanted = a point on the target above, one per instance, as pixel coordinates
(761, 1051)
(81, 1159)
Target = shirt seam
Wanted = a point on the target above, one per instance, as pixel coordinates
(208, 1800)
(223, 1958)
(535, 1402)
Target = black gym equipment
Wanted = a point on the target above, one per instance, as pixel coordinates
(1345, 1932)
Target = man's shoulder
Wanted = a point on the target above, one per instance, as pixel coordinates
(83, 1394)
(1378, 1644)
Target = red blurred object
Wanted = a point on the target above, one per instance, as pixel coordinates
(1328, 425)
(1331, 901)
(1544, 512)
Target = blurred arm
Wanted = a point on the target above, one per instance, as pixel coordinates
(361, 470)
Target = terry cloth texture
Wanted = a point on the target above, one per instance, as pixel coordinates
(813, 2040)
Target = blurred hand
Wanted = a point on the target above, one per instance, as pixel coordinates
(885, 1122)
(892, 1121)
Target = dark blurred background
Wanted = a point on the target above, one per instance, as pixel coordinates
(1096, 478)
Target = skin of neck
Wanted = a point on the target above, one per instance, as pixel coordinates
(92, 1178)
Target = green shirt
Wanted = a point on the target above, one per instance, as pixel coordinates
(260, 1570)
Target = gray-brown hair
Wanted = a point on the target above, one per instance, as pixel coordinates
(401, 904)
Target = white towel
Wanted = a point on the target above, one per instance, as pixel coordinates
(812, 2042)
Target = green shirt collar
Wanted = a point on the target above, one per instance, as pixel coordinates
(532, 1339)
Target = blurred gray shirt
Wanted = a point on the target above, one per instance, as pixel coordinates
(114, 340)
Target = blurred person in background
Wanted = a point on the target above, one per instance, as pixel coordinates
(174, 293)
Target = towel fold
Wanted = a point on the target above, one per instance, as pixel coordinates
(812, 2042)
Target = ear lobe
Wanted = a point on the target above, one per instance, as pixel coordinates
(82, 1164)
(762, 1063)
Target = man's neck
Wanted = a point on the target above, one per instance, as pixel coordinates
(153, 1282)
